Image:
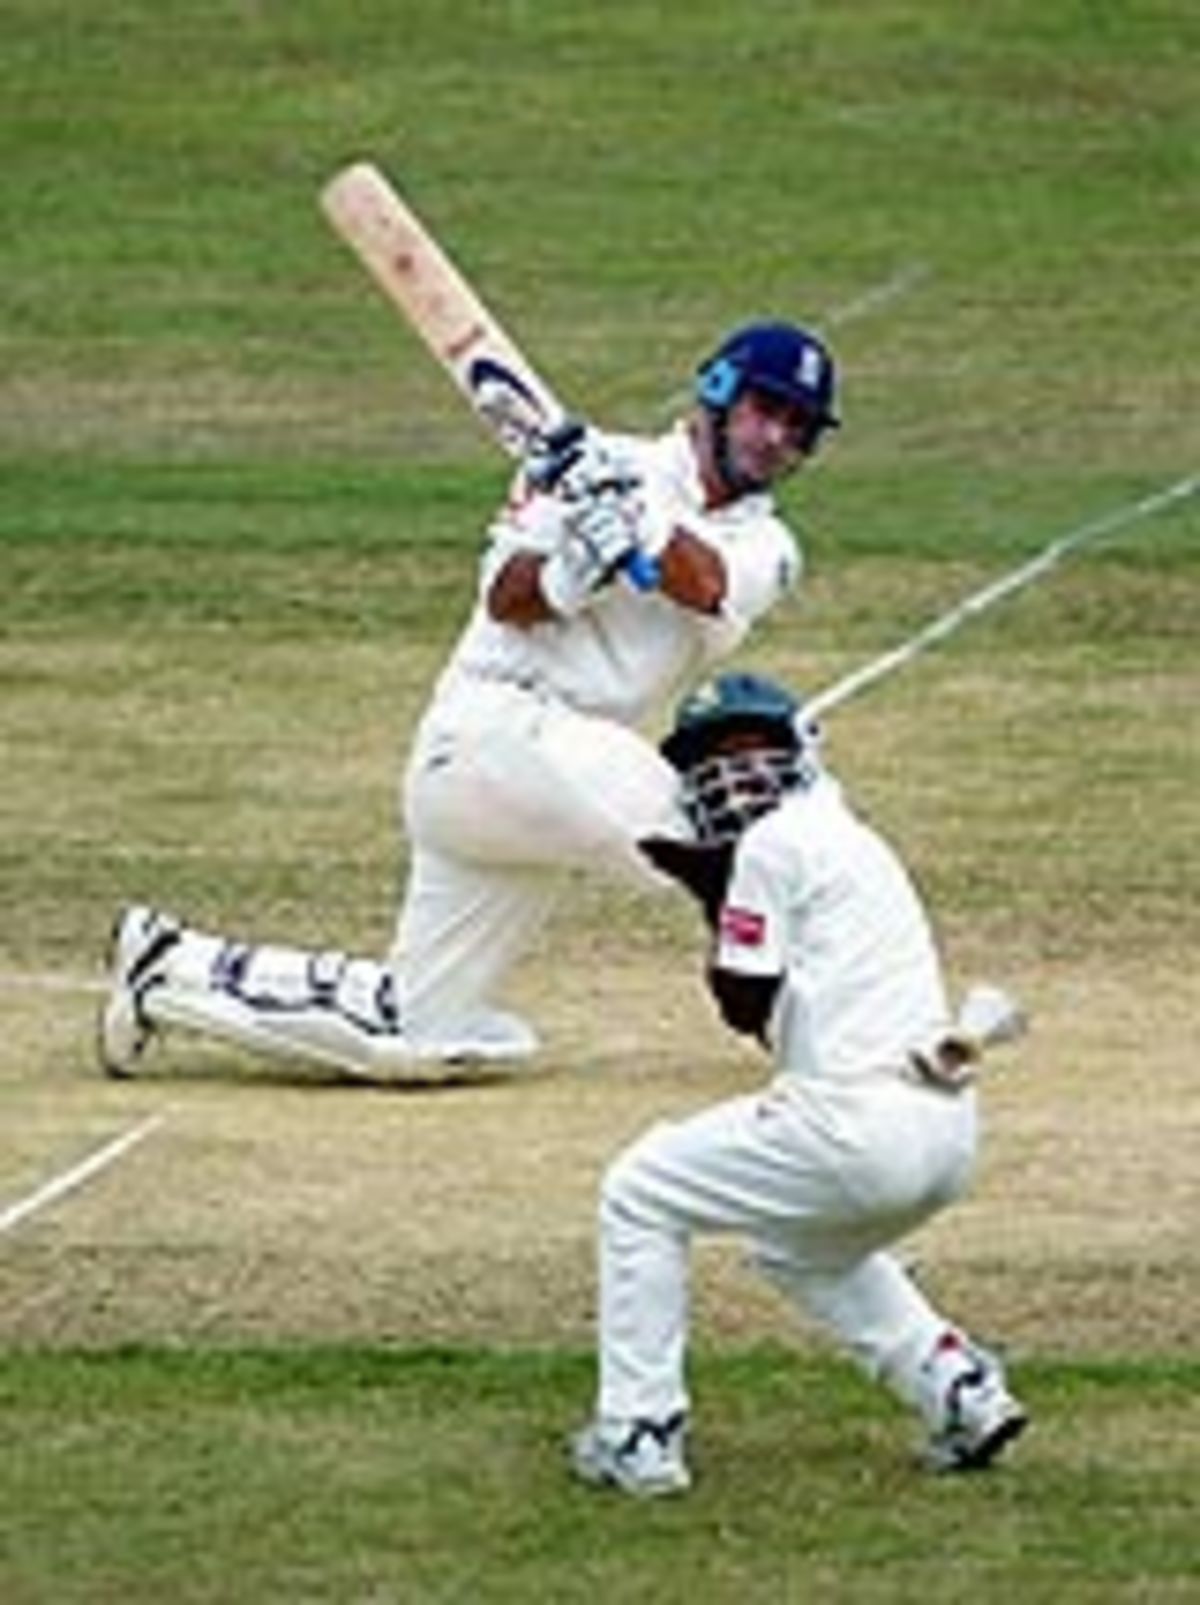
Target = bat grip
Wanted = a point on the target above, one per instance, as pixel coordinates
(641, 570)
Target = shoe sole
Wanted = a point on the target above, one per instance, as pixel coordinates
(121, 1067)
(987, 1451)
(117, 1069)
(638, 1490)
(123, 995)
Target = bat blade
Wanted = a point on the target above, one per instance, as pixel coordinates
(410, 267)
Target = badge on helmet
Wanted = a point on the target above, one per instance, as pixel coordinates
(779, 359)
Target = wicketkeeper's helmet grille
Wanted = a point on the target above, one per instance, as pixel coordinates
(723, 796)
(728, 783)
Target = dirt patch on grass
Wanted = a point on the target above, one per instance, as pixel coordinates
(279, 1208)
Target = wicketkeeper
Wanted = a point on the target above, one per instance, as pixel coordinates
(822, 950)
(620, 569)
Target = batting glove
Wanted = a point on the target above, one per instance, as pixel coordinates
(577, 462)
(599, 540)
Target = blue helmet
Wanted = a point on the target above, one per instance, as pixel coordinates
(780, 359)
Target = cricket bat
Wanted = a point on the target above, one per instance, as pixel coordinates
(410, 267)
(513, 401)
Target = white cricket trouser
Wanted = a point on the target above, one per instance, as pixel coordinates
(819, 1177)
(505, 789)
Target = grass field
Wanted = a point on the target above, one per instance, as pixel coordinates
(311, 1343)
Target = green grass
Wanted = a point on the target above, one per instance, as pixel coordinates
(345, 1474)
(239, 514)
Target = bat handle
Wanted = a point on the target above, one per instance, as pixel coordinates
(641, 570)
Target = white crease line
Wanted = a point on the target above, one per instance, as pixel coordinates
(49, 981)
(62, 1184)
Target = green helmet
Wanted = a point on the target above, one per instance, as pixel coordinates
(731, 701)
(723, 793)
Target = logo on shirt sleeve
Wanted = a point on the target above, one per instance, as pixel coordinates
(742, 927)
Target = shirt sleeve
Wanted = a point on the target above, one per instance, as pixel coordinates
(763, 562)
(752, 924)
(526, 523)
(762, 565)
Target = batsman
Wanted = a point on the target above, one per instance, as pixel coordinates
(619, 570)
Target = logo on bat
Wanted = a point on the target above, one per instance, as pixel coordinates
(506, 403)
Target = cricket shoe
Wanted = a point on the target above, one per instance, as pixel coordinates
(141, 939)
(980, 1416)
(642, 1458)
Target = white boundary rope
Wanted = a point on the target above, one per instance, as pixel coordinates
(68, 1180)
(979, 601)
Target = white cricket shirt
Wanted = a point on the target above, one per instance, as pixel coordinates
(817, 896)
(628, 652)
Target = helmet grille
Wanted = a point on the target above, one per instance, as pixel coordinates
(724, 795)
